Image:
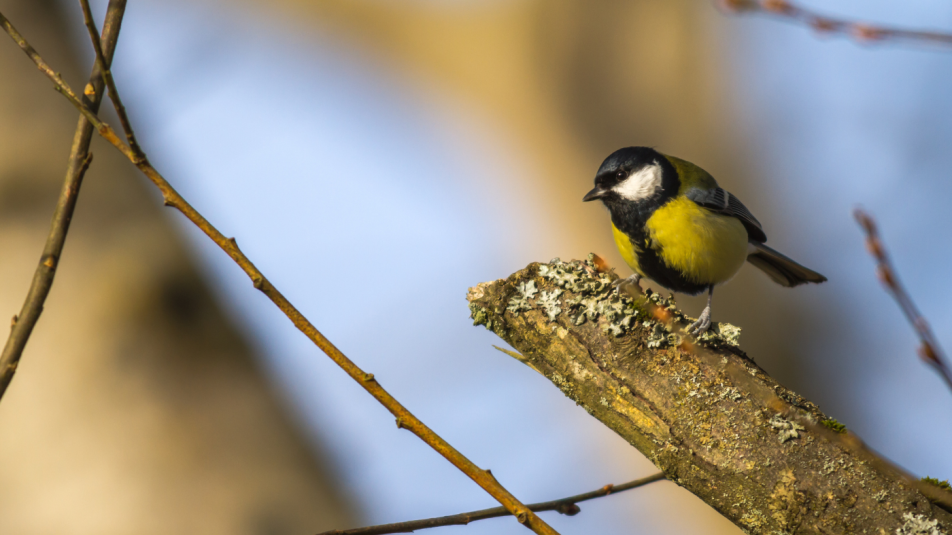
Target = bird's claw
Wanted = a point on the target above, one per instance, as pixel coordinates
(702, 324)
(634, 279)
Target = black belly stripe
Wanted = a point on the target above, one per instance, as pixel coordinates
(630, 218)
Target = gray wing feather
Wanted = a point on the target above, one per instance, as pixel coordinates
(720, 201)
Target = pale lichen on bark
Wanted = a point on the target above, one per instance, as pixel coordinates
(704, 413)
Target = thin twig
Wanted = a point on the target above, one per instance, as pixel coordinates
(930, 351)
(79, 159)
(865, 33)
(107, 76)
(566, 506)
(404, 418)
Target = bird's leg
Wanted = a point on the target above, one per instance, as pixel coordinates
(703, 323)
(633, 279)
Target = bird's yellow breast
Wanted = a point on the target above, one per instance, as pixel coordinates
(705, 247)
(629, 251)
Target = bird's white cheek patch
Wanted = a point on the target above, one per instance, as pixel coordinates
(641, 184)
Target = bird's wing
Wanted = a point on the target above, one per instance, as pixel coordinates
(720, 201)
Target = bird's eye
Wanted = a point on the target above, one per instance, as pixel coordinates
(620, 174)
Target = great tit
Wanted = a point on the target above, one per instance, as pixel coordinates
(675, 226)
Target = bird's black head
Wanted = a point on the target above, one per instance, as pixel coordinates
(633, 174)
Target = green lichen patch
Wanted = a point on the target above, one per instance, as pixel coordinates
(786, 429)
(525, 291)
(833, 425)
(944, 485)
(550, 303)
(919, 525)
(586, 309)
(657, 335)
(720, 335)
(479, 315)
(579, 277)
(585, 293)
(595, 296)
(731, 393)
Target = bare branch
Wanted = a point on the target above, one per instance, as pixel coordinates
(566, 506)
(930, 350)
(405, 419)
(861, 32)
(79, 159)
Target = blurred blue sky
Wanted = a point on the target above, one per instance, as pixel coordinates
(364, 196)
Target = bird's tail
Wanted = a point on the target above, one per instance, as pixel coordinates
(781, 269)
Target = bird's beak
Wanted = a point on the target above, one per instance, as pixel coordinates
(596, 193)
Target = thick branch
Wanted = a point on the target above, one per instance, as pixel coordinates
(405, 419)
(706, 415)
(79, 159)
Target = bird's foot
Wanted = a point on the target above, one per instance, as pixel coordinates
(632, 280)
(702, 324)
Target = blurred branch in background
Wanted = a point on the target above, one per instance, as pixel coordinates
(79, 160)
(861, 32)
(930, 351)
(566, 506)
(405, 419)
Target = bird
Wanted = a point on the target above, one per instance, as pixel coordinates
(673, 224)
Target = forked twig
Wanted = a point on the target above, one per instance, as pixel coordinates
(865, 33)
(79, 159)
(405, 419)
(566, 506)
(930, 350)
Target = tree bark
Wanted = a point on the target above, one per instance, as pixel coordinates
(704, 413)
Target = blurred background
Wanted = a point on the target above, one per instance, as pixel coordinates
(377, 158)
